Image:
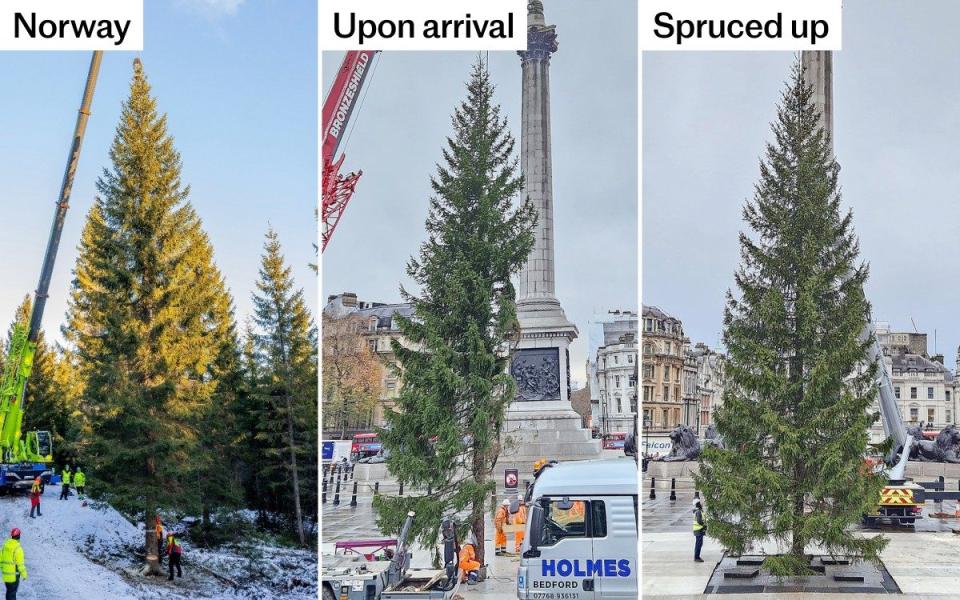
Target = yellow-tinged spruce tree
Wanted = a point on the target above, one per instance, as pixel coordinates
(445, 433)
(799, 384)
(151, 321)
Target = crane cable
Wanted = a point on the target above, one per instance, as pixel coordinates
(359, 110)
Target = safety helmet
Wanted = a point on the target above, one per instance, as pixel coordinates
(538, 464)
(37, 478)
(15, 533)
(505, 502)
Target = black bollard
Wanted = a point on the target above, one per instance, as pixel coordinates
(673, 488)
(376, 488)
(653, 488)
(401, 488)
(324, 485)
(353, 500)
(336, 494)
(324, 496)
(942, 486)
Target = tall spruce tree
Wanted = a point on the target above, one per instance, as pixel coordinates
(286, 346)
(151, 320)
(445, 435)
(799, 382)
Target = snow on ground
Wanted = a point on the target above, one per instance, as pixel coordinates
(76, 551)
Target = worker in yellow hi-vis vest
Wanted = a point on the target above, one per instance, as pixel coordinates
(699, 528)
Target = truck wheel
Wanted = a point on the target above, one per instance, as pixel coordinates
(908, 520)
(869, 522)
(328, 593)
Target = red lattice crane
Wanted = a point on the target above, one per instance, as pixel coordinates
(337, 109)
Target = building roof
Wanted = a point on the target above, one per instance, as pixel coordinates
(589, 477)
(656, 313)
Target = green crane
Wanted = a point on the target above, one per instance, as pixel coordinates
(21, 455)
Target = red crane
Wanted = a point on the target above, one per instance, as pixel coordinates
(337, 109)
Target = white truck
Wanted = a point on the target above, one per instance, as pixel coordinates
(581, 538)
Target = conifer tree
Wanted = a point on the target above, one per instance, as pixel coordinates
(445, 435)
(150, 318)
(799, 383)
(286, 347)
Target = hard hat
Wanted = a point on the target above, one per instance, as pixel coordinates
(15, 533)
(505, 502)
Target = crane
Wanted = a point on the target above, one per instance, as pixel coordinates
(337, 110)
(23, 457)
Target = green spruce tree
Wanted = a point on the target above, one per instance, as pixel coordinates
(445, 435)
(150, 318)
(799, 383)
(285, 342)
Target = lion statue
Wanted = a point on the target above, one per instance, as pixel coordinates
(686, 446)
(945, 448)
(711, 437)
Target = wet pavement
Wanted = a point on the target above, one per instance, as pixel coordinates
(924, 560)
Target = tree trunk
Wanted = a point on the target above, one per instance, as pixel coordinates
(798, 543)
(293, 468)
(153, 566)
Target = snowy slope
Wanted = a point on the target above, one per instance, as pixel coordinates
(74, 552)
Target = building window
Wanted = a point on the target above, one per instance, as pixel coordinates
(666, 393)
(676, 393)
(648, 371)
(647, 393)
(666, 372)
(616, 380)
(646, 418)
(931, 415)
(896, 391)
(630, 359)
(619, 405)
(666, 417)
(648, 324)
(913, 393)
(373, 345)
(669, 347)
(929, 393)
(914, 414)
(648, 348)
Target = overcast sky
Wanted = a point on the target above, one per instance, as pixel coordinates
(897, 126)
(402, 126)
(238, 83)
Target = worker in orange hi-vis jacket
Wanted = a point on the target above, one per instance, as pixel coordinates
(499, 520)
(468, 561)
(519, 517)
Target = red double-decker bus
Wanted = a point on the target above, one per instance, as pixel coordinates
(614, 441)
(364, 445)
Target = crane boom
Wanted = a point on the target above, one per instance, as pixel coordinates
(337, 110)
(19, 362)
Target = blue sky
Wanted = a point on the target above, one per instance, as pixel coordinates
(238, 81)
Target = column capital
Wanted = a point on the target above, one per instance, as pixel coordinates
(541, 43)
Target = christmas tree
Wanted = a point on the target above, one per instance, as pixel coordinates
(795, 414)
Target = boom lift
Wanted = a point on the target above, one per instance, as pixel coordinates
(337, 109)
(25, 456)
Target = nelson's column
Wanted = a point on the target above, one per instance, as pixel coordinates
(540, 422)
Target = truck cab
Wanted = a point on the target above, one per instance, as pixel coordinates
(581, 538)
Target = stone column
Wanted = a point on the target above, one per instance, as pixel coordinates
(818, 72)
(540, 422)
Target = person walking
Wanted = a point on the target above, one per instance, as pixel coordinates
(699, 528)
(11, 564)
(35, 490)
(174, 551)
(499, 520)
(80, 482)
(66, 478)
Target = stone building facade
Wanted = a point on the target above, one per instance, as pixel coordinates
(663, 362)
(925, 389)
(615, 374)
(710, 376)
(379, 328)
